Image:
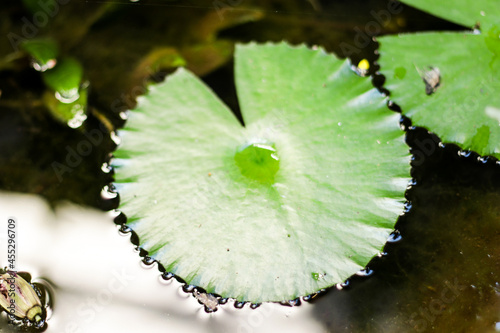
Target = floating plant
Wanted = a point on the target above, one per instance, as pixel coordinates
(448, 82)
(298, 199)
(24, 302)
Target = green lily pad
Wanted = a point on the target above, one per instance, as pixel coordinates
(460, 109)
(301, 198)
(465, 12)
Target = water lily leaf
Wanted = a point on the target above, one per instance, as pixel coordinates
(464, 12)
(299, 199)
(448, 83)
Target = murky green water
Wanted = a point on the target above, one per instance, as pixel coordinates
(443, 275)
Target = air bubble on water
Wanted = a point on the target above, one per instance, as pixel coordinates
(107, 193)
(394, 237)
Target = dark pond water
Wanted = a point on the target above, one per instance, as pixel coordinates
(441, 273)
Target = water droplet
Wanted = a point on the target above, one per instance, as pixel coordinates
(40, 67)
(407, 207)
(107, 193)
(255, 305)
(258, 161)
(167, 276)
(223, 301)
(365, 272)
(339, 123)
(78, 118)
(188, 288)
(394, 237)
(293, 302)
(239, 305)
(123, 115)
(148, 261)
(464, 153)
(342, 285)
(115, 138)
(125, 229)
(483, 159)
(106, 168)
(67, 97)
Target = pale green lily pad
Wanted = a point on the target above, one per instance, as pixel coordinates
(465, 12)
(462, 107)
(300, 199)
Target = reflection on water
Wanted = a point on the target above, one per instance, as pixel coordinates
(100, 284)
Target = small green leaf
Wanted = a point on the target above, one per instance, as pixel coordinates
(43, 51)
(314, 182)
(468, 84)
(65, 79)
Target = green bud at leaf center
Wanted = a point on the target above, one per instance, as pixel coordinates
(258, 161)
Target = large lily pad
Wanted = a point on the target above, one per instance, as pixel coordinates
(299, 199)
(465, 12)
(449, 82)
